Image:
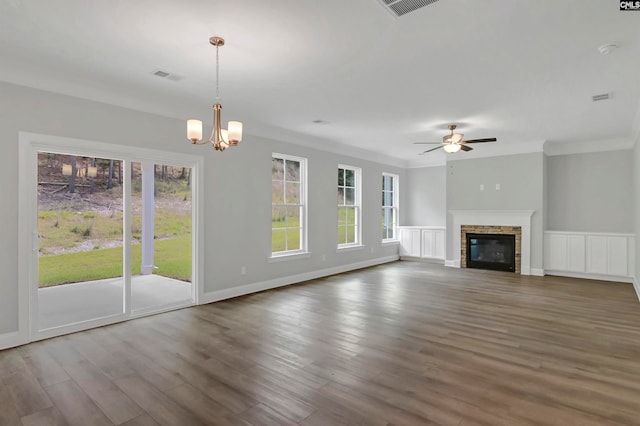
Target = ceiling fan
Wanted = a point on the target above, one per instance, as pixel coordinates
(453, 143)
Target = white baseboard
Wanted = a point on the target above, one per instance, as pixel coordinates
(452, 263)
(537, 272)
(436, 260)
(636, 287)
(10, 340)
(590, 276)
(215, 296)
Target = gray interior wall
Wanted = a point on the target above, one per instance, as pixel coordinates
(636, 215)
(591, 192)
(237, 204)
(424, 198)
(521, 188)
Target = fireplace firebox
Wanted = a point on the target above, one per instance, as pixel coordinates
(491, 251)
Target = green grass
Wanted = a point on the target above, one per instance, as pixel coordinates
(65, 229)
(172, 256)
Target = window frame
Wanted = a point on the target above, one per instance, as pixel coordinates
(393, 207)
(357, 173)
(302, 204)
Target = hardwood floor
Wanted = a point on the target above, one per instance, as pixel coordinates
(404, 343)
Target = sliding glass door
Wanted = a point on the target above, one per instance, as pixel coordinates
(114, 233)
(161, 206)
(80, 239)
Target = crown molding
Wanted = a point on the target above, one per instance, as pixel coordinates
(585, 147)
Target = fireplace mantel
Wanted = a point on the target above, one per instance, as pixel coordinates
(520, 218)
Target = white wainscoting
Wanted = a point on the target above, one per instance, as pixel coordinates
(606, 256)
(427, 242)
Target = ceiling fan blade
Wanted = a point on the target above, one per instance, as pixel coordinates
(427, 143)
(480, 140)
(429, 150)
(466, 148)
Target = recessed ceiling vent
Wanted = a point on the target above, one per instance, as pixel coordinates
(602, 97)
(402, 7)
(164, 74)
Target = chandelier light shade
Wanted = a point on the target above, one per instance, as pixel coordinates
(220, 138)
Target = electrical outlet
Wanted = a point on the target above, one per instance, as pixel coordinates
(243, 270)
(497, 187)
(324, 257)
(371, 249)
(482, 187)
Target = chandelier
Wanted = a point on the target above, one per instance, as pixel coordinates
(220, 138)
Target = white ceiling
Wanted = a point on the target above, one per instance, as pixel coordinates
(521, 71)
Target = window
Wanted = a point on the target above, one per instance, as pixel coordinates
(348, 206)
(389, 206)
(288, 205)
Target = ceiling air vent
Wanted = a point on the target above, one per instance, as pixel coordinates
(167, 75)
(402, 7)
(602, 97)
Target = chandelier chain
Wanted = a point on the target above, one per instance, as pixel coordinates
(217, 75)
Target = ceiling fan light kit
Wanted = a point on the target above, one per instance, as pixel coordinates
(452, 148)
(453, 142)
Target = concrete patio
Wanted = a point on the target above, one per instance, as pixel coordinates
(71, 303)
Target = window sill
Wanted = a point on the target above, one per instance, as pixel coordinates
(390, 242)
(353, 247)
(289, 256)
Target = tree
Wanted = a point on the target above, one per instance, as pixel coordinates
(110, 178)
(72, 177)
(93, 180)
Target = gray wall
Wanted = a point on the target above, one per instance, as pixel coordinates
(636, 215)
(425, 196)
(237, 204)
(591, 192)
(521, 188)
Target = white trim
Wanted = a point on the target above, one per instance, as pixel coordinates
(29, 145)
(396, 204)
(604, 234)
(451, 264)
(521, 218)
(436, 228)
(584, 147)
(636, 287)
(215, 296)
(587, 276)
(349, 247)
(434, 260)
(537, 272)
(303, 202)
(12, 339)
(357, 173)
(289, 256)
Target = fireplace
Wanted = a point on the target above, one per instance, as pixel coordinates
(503, 222)
(494, 233)
(491, 251)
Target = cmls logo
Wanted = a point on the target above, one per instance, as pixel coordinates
(629, 5)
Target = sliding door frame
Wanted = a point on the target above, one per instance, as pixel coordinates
(30, 145)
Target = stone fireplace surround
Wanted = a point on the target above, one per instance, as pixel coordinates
(487, 229)
(493, 218)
